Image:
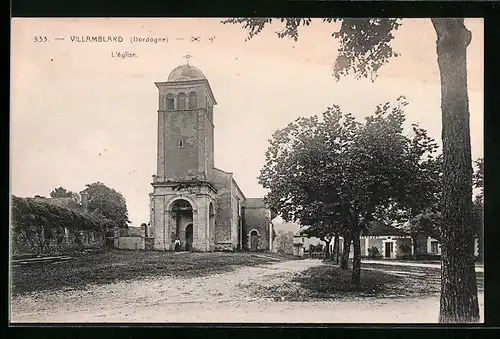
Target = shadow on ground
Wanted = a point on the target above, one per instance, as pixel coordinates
(328, 281)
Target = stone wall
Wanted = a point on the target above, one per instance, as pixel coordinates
(223, 210)
(130, 243)
(41, 240)
(181, 162)
(237, 199)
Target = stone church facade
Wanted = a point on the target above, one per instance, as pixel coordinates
(192, 200)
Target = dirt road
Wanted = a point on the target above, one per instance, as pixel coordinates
(218, 298)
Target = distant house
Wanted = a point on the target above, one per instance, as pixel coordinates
(381, 242)
(302, 243)
(388, 242)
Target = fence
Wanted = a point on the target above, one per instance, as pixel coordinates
(320, 255)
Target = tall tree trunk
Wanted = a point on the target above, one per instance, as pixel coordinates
(325, 240)
(344, 261)
(415, 246)
(335, 251)
(356, 263)
(458, 277)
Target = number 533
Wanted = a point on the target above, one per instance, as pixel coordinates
(41, 39)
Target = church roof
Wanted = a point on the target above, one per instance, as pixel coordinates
(186, 72)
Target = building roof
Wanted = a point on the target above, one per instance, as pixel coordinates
(379, 229)
(300, 231)
(254, 203)
(233, 181)
(186, 72)
(134, 231)
(375, 229)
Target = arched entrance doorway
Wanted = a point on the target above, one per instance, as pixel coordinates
(182, 213)
(189, 237)
(254, 240)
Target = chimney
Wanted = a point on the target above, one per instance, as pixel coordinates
(85, 198)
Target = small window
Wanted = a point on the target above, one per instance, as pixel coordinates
(181, 144)
(434, 246)
(303, 239)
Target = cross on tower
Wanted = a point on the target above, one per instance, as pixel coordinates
(187, 57)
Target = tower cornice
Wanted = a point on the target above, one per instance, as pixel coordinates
(159, 182)
(187, 83)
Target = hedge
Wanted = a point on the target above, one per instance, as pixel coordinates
(28, 212)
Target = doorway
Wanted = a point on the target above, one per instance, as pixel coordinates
(389, 248)
(182, 217)
(189, 237)
(254, 241)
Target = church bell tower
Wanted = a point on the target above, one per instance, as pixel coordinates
(184, 195)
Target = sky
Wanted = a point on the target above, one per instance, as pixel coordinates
(78, 115)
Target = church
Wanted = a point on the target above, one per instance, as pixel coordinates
(192, 200)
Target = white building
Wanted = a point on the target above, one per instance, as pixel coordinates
(302, 243)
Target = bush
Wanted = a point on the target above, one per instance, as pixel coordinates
(405, 248)
(373, 252)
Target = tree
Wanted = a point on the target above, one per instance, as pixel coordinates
(61, 192)
(364, 48)
(334, 174)
(417, 204)
(107, 204)
(303, 171)
(376, 172)
(284, 242)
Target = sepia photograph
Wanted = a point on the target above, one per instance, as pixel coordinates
(246, 170)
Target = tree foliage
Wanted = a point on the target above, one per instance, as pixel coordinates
(61, 192)
(108, 204)
(364, 43)
(284, 242)
(33, 212)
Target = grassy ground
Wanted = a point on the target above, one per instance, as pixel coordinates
(419, 280)
(380, 281)
(114, 265)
